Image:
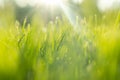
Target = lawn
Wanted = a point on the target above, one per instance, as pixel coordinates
(59, 50)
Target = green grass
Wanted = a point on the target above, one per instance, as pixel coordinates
(59, 51)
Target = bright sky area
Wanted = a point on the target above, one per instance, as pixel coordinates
(102, 4)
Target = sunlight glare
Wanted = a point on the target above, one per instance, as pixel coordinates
(77, 1)
(22, 3)
(51, 2)
(70, 14)
(103, 5)
(1, 3)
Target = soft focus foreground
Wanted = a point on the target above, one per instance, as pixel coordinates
(59, 50)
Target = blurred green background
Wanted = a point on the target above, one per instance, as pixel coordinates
(75, 40)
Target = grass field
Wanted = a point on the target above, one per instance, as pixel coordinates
(88, 50)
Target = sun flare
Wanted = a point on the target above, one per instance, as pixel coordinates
(51, 2)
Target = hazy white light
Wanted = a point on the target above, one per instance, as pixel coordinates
(51, 2)
(48, 3)
(22, 3)
(70, 14)
(78, 1)
(1, 3)
(107, 4)
(33, 2)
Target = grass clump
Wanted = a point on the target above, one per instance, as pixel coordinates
(59, 51)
